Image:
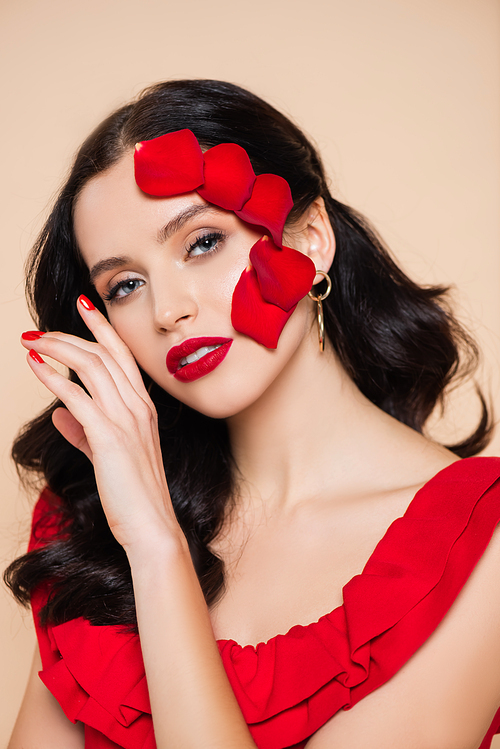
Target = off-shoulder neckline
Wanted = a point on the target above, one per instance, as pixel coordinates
(443, 473)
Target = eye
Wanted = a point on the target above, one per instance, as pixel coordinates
(123, 289)
(205, 243)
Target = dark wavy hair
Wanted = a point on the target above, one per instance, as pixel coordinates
(398, 341)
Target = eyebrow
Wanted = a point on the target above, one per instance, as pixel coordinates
(111, 263)
(176, 223)
(173, 226)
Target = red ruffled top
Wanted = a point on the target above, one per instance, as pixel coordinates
(293, 684)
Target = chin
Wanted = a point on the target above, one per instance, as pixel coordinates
(220, 397)
(222, 412)
(217, 405)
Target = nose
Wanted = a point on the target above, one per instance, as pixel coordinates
(173, 307)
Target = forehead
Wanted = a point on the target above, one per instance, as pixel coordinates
(112, 210)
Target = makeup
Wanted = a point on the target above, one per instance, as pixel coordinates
(36, 357)
(197, 357)
(174, 163)
(86, 303)
(32, 335)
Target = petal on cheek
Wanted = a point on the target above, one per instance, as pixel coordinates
(269, 205)
(229, 177)
(253, 316)
(169, 165)
(285, 276)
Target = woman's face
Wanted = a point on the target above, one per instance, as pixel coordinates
(166, 269)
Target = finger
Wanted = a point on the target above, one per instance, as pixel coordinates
(81, 406)
(48, 348)
(105, 334)
(71, 430)
(97, 369)
(105, 381)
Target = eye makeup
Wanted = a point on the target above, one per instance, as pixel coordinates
(207, 242)
(111, 295)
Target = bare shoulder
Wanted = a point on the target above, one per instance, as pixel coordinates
(41, 723)
(447, 694)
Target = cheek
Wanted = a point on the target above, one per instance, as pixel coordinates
(219, 277)
(130, 323)
(222, 284)
(134, 326)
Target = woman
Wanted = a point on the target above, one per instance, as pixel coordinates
(219, 466)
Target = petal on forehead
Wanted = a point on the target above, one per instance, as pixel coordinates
(169, 165)
(229, 177)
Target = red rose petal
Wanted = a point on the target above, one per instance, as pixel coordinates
(269, 205)
(285, 276)
(229, 177)
(252, 315)
(169, 165)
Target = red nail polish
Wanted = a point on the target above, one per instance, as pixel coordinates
(86, 303)
(32, 335)
(36, 357)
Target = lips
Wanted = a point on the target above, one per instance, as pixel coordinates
(207, 362)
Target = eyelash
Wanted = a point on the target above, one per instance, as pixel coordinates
(217, 235)
(111, 297)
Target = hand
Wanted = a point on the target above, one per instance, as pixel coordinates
(115, 426)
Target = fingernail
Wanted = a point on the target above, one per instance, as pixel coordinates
(32, 335)
(36, 357)
(86, 303)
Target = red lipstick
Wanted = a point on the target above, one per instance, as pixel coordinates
(208, 361)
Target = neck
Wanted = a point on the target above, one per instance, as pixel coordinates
(313, 435)
(304, 434)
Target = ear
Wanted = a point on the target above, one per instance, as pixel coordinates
(315, 237)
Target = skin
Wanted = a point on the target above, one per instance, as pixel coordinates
(319, 481)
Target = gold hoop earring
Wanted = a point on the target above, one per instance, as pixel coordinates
(319, 309)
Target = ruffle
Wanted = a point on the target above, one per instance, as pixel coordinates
(97, 676)
(291, 685)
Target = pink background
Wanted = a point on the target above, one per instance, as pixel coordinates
(402, 97)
